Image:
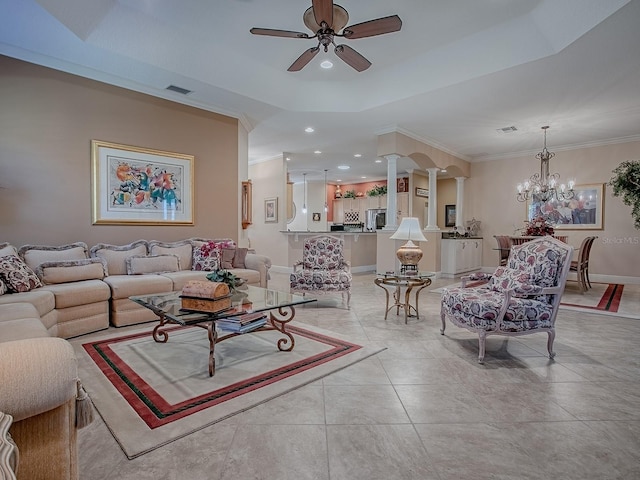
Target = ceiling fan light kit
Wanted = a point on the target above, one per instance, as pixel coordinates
(326, 19)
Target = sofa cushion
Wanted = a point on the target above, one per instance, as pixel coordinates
(124, 286)
(116, 255)
(22, 329)
(17, 274)
(79, 293)
(183, 249)
(66, 271)
(43, 300)
(141, 264)
(34, 255)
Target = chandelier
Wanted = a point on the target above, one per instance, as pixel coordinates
(544, 186)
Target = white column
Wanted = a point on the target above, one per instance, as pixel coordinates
(460, 204)
(392, 194)
(432, 220)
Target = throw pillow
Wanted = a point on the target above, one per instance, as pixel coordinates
(51, 273)
(3, 287)
(142, 264)
(228, 255)
(17, 274)
(116, 255)
(238, 259)
(207, 257)
(183, 249)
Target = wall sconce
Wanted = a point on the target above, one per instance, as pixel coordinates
(246, 204)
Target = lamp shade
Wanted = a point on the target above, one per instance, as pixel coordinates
(409, 229)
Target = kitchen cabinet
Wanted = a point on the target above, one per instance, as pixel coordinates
(461, 255)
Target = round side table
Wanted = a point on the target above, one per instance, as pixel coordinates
(396, 284)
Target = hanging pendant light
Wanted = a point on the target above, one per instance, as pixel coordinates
(326, 207)
(544, 186)
(304, 198)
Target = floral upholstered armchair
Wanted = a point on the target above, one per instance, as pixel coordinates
(518, 299)
(323, 268)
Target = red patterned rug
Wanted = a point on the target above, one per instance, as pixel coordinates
(150, 394)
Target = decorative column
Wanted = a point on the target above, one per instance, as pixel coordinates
(460, 204)
(432, 216)
(392, 195)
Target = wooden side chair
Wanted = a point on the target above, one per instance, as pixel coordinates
(581, 264)
(504, 248)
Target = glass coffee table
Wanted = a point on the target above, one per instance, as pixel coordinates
(279, 308)
(399, 280)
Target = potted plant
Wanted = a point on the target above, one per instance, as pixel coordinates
(225, 276)
(626, 184)
(377, 190)
(350, 194)
(538, 227)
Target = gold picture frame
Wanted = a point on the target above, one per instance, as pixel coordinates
(140, 186)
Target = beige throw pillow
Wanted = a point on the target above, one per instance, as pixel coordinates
(142, 264)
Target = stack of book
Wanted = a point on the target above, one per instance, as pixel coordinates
(242, 323)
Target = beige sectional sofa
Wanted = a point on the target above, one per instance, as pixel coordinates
(72, 290)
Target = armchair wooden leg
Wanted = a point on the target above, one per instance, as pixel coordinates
(552, 336)
(482, 337)
(444, 324)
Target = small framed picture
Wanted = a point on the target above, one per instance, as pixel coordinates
(422, 192)
(316, 217)
(271, 210)
(450, 216)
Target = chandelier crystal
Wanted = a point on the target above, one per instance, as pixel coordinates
(544, 186)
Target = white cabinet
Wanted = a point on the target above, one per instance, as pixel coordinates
(461, 256)
(349, 210)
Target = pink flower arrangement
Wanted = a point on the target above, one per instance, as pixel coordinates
(538, 227)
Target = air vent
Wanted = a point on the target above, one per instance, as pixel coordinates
(507, 129)
(177, 89)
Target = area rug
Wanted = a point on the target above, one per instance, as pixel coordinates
(603, 298)
(150, 394)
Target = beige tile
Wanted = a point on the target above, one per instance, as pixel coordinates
(372, 452)
(285, 452)
(368, 404)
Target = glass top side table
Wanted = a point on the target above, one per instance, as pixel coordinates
(394, 282)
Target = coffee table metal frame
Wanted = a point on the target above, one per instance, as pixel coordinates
(279, 307)
(398, 281)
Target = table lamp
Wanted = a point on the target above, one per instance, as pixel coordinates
(409, 254)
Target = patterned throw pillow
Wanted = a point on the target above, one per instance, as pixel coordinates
(207, 257)
(3, 287)
(17, 274)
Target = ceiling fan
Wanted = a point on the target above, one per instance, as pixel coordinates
(326, 19)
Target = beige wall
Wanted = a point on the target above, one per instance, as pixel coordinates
(269, 181)
(47, 121)
(490, 198)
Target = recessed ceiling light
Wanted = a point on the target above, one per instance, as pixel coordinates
(363, 177)
(317, 151)
(444, 170)
(344, 167)
(378, 161)
(358, 155)
(309, 130)
(288, 159)
(326, 64)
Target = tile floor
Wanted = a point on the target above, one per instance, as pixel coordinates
(424, 408)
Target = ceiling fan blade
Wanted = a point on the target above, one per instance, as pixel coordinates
(278, 33)
(352, 58)
(373, 27)
(303, 59)
(323, 12)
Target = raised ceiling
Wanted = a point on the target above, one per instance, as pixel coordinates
(455, 74)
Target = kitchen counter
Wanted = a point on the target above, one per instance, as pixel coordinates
(338, 233)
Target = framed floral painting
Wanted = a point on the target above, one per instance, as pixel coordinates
(140, 186)
(585, 211)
